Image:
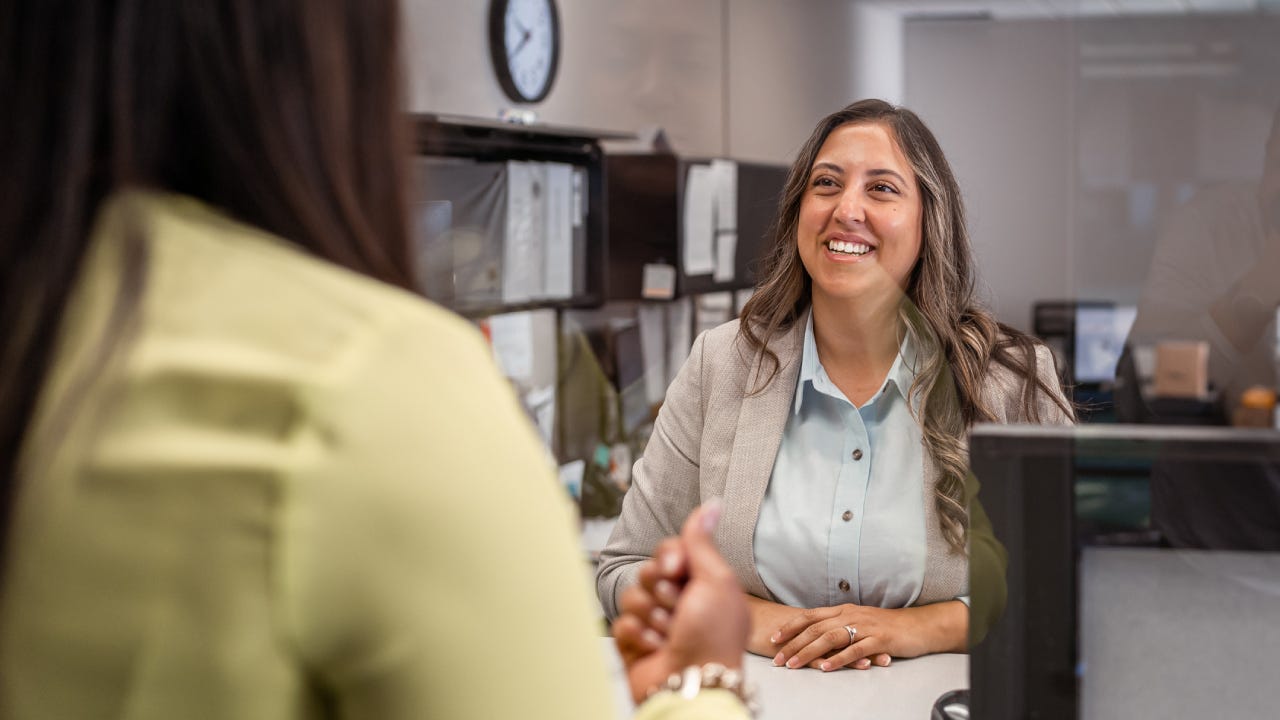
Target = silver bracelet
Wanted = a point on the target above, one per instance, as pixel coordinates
(690, 681)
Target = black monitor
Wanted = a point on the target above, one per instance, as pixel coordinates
(1103, 617)
(629, 363)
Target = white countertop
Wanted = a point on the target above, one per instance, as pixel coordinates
(906, 689)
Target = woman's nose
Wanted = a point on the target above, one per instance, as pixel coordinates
(851, 209)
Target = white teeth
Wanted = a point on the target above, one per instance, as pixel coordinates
(848, 248)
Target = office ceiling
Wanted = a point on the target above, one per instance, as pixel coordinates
(1042, 9)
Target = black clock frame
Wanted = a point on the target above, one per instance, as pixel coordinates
(498, 51)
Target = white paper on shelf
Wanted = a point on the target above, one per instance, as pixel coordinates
(716, 302)
(545, 332)
(571, 478)
(679, 335)
(525, 232)
(620, 462)
(725, 173)
(512, 338)
(725, 177)
(542, 405)
(595, 533)
(726, 254)
(558, 251)
(658, 281)
(653, 347)
(699, 221)
(713, 309)
(579, 202)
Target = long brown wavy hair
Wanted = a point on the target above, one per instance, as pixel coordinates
(283, 113)
(957, 339)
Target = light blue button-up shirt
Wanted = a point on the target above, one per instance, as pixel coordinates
(842, 520)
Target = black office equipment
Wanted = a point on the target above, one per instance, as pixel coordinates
(953, 705)
(1087, 338)
(629, 366)
(1054, 322)
(1031, 664)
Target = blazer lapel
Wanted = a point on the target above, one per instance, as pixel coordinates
(761, 422)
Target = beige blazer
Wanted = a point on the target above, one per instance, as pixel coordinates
(713, 439)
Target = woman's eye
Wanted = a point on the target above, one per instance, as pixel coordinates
(884, 187)
(824, 182)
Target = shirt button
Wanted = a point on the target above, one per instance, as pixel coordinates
(844, 586)
(847, 516)
(857, 454)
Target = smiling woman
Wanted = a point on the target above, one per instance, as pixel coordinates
(832, 417)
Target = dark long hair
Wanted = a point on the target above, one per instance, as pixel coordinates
(958, 340)
(282, 113)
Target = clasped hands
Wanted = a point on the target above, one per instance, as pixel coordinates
(820, 637)
(686, 609)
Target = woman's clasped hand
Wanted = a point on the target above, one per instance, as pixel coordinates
(856, 636)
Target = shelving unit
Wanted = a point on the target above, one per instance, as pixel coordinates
(647, 226)
(490, 141)
(630, 214)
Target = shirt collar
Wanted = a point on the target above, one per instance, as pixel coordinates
(901, 374)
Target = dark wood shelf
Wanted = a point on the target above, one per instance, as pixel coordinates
(646, 220)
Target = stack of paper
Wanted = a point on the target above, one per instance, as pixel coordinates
(710, 220)
(545, 215)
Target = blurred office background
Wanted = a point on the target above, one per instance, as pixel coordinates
(1076, 127)
(1112, 155)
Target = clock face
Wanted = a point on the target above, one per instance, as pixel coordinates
(524, 38)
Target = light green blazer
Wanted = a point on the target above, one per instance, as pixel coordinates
(289, 492)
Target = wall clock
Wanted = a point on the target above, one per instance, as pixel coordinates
(524, 42)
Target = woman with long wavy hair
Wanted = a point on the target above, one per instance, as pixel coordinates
(244, 472)
(832, 416)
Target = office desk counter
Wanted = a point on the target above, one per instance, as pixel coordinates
(906, 689)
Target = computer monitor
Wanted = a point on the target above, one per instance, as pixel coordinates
(1112, 623)
(629, 363)
(1100, 333)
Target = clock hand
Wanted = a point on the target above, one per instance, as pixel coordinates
(523, 41)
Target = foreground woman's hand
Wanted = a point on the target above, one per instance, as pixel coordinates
(687, 609)
(821, 637)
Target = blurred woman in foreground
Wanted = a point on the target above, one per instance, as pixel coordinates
(245, 472)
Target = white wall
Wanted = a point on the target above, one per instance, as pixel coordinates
(879, 62)
(997, 95)
(788, 68)
(1076, 140)
(1054, 166)
(624, 65)
(638, 64)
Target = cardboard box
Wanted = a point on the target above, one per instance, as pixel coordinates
(1182, 369)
